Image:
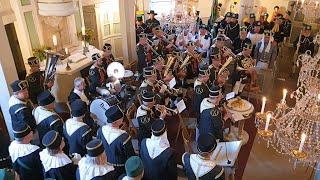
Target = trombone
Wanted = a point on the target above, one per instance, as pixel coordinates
(173, 91)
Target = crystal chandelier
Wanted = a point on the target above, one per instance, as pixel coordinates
(182, 14)
(295, 131)
(306, 10)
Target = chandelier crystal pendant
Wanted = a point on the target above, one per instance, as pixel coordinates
(295, 131)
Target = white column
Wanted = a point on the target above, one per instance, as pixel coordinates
(127, 24)
(8, 74)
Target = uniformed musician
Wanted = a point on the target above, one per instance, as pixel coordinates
(158, 157)
(233, 28)
(46, 118)
(107, 56)
(201, 166)
(306, 41)
(76, 132)
(94, 165)
(255, 35)
(56, 164)
(36, 79)
(25, 156)
(142, 49)
(141, 27)
(245, 72)
(277, 29)
(241, 40)
(287, 24)
(212, 119)
(97, 75)
(134, 169)
(265, 52)
(146, 115)
(20, 108)
(227, 40)
(216, 64)
(201, 89)
(218, 47)
(116, 142)
(250, 24)
(202, 40)
(265, 25)
(152, 21)
(150, 84)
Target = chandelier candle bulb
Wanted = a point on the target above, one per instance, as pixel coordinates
(83, 30)
(82, 42)
(264, 100)
(66, 50)
(285, 92)
(267, 122)
(303, 139)
(54, 40)
(317, 3)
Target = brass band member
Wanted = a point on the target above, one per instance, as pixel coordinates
(152, 21)
(97, 75)
(146, 115)
(36, 79)
(245, 72)
(142, 49)
(150, 84)
(201, 88)
(107, 56)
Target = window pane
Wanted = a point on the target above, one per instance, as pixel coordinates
(32, 30)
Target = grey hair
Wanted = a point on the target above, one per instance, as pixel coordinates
(77, 81)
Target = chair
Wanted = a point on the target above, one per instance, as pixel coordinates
(133, 131)
(189, 145)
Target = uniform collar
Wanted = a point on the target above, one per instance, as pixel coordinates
(206, 104)
(55, 161)
(14, 100)
(110, 133)
(73, 124)
(200, 166)
(89, 171)
(157, 144)
(18, 150)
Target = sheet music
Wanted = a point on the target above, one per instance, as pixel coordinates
(219, 154)
(181, 106)
(172, 83)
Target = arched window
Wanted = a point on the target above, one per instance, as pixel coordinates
(161, 7)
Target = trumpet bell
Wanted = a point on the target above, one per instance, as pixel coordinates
(115, 69)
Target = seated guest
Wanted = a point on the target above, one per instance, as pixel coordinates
(265, 52)
(20, 108)
(116, 142)
(211, 118)
(78, 91)
(202, 40)
(57, 165)
(200, 166)
(134, 169)
(45, 116)
(146, 115)
(156, 154)
(97, 75)
(76, 132)
(25, 156)
(94, 165)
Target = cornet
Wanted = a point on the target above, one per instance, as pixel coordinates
(162, 108)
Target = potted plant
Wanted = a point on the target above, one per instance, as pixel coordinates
(88, 37)
(40, 52)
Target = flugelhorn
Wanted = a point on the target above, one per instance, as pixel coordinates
(162, 108)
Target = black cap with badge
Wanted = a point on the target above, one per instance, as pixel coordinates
(19, 85)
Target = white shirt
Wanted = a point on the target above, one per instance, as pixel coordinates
(82, 96)
(205, 42)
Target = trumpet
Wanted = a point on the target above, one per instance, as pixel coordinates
(162, 108)
(228, 51)
(173, 91)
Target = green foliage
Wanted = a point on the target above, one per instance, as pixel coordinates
(88, 37)
(40, 52)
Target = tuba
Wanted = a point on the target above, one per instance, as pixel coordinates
(50, 69)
